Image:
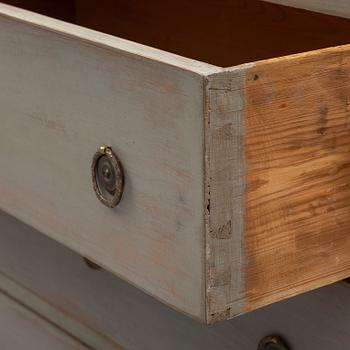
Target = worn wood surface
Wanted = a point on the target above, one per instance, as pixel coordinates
(23, 329)
(61, 99)
(99, 39)
(54, 313)
(333, 7)
(297, 174)
(225, 194)
(224, 32)
(236, 179)
(124, 315)
(293, 114)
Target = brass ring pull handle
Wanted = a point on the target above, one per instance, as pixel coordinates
(272, 342)
(107, 177)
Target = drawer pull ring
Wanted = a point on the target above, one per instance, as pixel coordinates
(107, 176)
(272, 342)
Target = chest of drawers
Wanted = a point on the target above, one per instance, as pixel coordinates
(235, 159)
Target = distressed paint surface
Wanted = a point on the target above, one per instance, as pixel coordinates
(237, 178)
(224, 186)
(114, 43)
(60, 100)
(23, 329)
(126, 316)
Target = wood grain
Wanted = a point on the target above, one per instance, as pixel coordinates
(237, 179)
(284, 144)
(297, 174)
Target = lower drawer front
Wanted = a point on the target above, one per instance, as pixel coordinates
(23, 329)
(123, 315)
(62, 98)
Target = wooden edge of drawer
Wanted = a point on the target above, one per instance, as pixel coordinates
(105, 40)
(277, 179)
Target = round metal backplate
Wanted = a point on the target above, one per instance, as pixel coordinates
(272, 342)
(107, 177)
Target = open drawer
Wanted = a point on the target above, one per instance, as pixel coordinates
(237, 180)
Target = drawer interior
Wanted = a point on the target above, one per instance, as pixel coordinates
(220, 32)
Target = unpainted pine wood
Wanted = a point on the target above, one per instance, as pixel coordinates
(294, 155)
(234, 31)
(61, 99)
(22, 329)
(339, 8)
(125, 315)
(297, 150)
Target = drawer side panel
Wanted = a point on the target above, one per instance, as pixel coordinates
(278, 180)
(297, 152)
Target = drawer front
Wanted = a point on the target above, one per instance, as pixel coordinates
(35, 332)
(61, 98)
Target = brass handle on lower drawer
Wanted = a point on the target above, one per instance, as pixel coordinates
(272, 342)
(107, 176)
